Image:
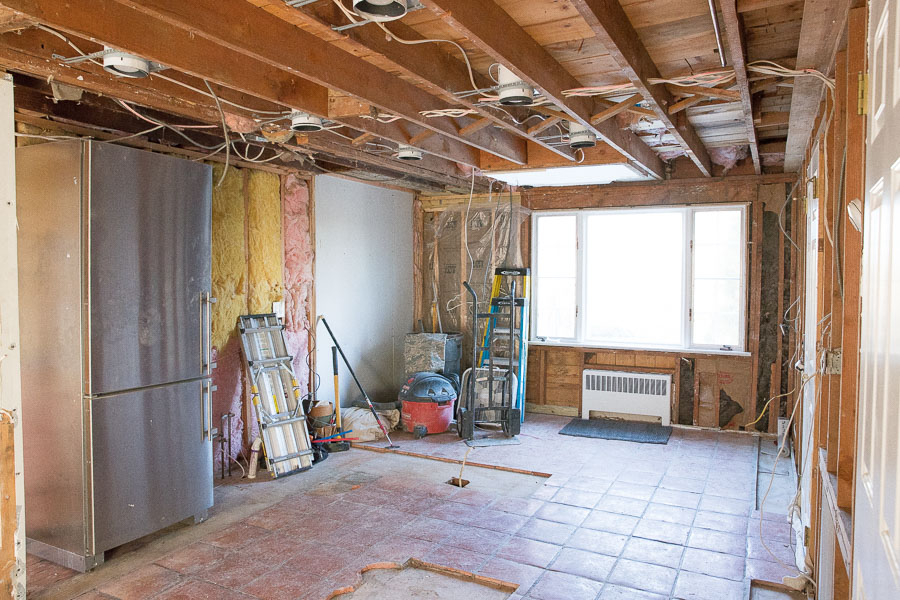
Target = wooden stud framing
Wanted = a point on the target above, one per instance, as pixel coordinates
(608, 113)
(854, 183)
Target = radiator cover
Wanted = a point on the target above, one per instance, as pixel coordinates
(625, 393)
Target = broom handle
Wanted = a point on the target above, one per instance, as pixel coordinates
(358, 384)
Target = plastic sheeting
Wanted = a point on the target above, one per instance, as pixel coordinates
(466, 243)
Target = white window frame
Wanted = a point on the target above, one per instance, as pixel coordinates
(687, 285)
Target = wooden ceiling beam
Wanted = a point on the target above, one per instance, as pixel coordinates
(429, 64)
(191, 49)
(736, 50)
(254, 32)
(496, 34)
(709, 92)
(820, 34)
(186, 104)
(611, 25)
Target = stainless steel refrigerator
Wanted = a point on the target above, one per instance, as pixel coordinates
(114, 283)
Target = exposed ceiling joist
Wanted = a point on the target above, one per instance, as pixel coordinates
(820, 34)
(253, 32)
(611, 25)
(176, 100)
(429, 64)
(734, 41)
(496, 34)
(190, 47)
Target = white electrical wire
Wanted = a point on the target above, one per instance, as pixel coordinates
(224, 132)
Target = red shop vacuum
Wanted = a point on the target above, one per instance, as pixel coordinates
(427, 403)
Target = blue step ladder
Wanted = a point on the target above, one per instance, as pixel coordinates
(497, 335)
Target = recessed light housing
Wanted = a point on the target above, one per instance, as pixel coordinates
(380, 10)
(305, 123)
(123, 64)
(513, 91)
(406, 152)
(580, 136)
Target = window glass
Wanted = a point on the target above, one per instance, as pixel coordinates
(717, 274)
(634, 278)
(555, 275)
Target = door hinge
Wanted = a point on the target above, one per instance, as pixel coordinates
(690, 314)
(806, 536)
(862, 92)
(833, 362)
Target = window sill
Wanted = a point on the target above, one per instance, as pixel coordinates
(710, 351)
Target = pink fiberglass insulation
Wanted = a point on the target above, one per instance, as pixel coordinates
(298, 272)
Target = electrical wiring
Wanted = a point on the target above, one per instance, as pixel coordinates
(253, 111)
(166, 125)
(224, 132)
(128, 107)
(67, 41)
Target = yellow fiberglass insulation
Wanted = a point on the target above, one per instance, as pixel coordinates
(266, 254)
(229, 261)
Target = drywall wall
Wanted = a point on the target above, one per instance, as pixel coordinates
(364, 265)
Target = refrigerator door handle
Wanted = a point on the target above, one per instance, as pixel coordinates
(206, 409)
(206, 302)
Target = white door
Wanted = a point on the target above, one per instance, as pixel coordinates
(876, 528)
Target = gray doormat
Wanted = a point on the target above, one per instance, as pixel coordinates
(493, 441)
(613, 429)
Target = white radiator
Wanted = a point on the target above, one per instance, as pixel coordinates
(619, 392)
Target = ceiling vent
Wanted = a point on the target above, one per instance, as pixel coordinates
(305, 123)
(380, 10)
(405, 152)
(122, 64)
(580, 136)
(513, 91)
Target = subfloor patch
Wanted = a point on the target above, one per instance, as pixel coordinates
(417, 582)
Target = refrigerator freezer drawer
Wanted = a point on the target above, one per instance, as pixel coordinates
(152, 461)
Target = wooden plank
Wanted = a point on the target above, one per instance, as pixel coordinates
(496, 34)
(638, 110)
(699, 90)
(476, 126)
(608, 113)
(820, 35)
(611, 24)
(756, 239)
(684, 104)
(734, 39)
(854, 183)
(545, 124)
(420, 137)
(418, 261)
(362, 139)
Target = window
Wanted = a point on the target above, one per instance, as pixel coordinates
(650, 278)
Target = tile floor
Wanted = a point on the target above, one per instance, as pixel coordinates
(616, 520)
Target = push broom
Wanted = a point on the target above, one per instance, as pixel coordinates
(384, 430)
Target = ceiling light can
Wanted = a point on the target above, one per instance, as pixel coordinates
(406, 152)
(123, 64)
(380, 10)
(580, 136)
(513, 91)
(305, 123)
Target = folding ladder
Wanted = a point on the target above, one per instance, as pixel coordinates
(275, 394)
(498, 346)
